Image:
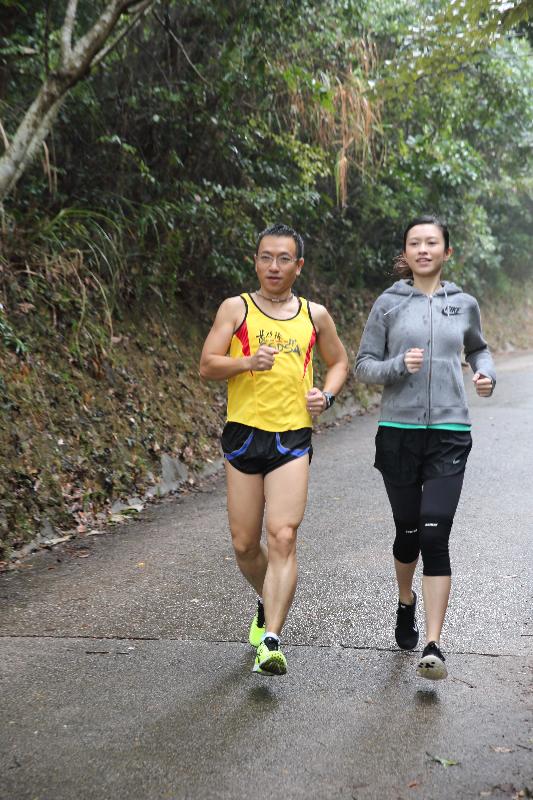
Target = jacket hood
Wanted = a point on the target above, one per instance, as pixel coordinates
(405, 288)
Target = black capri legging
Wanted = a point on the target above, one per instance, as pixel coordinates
(423, 515)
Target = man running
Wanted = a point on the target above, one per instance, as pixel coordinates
(262, 343)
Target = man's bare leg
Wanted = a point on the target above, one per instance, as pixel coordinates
(246, 503)
(286, 496)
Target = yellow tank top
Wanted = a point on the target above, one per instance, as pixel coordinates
(273, 400)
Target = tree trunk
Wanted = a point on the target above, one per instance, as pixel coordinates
(31, 133)
(75, 64)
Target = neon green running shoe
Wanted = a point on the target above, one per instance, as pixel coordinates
(257, 628)
(269, 659)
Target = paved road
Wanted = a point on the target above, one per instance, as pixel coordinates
(125, 675)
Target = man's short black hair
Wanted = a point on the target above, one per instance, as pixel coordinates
(279, 229)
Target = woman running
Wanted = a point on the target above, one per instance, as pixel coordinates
(412, 344)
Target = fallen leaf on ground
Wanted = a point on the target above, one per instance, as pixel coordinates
(116, 519)
(56, 540)
(133, 509)
(446, 762)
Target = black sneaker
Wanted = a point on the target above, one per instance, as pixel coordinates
(431, 665)
(406, 632)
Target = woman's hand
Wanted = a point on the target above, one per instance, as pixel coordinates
(413, 359)
(483, 384)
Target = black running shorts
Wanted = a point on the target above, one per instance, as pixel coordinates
(405, 456)
(255, 451)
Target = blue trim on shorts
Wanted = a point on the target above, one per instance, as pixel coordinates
(241, 450)
(286, 450)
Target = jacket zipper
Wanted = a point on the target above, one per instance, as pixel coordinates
(430, 356)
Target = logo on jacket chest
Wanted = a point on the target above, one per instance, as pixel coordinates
(451, 311)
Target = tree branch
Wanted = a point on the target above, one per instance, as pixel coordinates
(90, 44)
(16, 159)
(180, 45)
(75, 63)
(3, 135)
(66, 31)
(46, 43)
(103, 53)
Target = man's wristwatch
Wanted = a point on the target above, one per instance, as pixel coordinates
(330, 399)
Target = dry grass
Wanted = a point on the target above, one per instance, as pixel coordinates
(349, 122)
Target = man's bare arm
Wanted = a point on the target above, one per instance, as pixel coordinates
(215, 363)
(332, 351)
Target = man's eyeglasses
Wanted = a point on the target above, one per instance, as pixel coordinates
(282, 261)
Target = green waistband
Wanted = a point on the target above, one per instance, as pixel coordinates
(452, 426)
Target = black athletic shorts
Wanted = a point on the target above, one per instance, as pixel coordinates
(405, 456)
(255, 451)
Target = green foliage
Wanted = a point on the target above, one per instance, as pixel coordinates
(8, 335)
(342, 118)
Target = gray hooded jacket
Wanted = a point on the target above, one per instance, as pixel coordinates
(442, 324)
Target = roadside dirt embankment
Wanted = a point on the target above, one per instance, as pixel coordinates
(96, 420)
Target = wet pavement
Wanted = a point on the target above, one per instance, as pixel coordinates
(125, 671)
